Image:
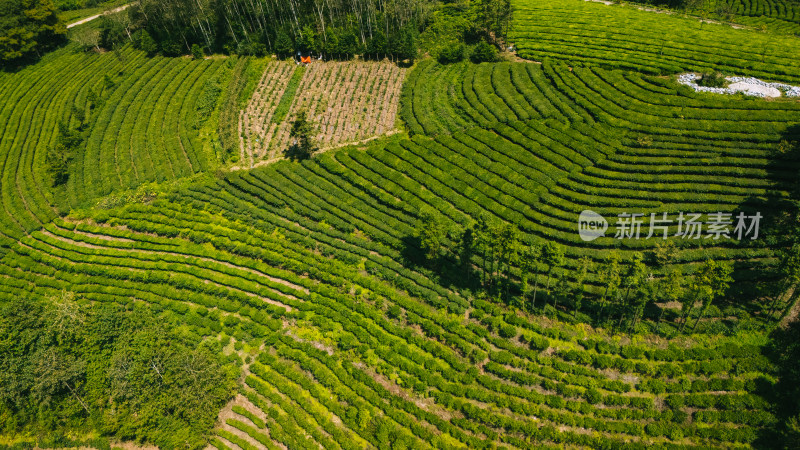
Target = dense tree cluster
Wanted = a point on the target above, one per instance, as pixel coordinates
(69, 366)
(28, 28)
(332, 29)
(340, 29)
(521, 272)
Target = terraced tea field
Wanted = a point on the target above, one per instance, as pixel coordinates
(567, 140)
(340, 349)
(347, 103)
(592, 33)
(142, 118)
(343, 345)
(365, 297)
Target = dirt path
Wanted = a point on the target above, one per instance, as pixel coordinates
(91, 18)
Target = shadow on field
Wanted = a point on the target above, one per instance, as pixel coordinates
(448, 269)
(784, 353)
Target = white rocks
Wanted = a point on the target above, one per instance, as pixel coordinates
(746, 85)
(755, 90)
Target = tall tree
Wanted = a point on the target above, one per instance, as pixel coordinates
(508, 251)
(529, 265)
(671, 289)
(718, 282)
(610, 279)
(303, 134)
(585, 267)
(552, 257)
(432, 233)
(631, 280)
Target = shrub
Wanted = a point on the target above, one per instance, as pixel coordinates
(483, 52)
(593, 396)
(712, 79)
(451, 54)
(507, 331)
(197, 52)
(538, 343)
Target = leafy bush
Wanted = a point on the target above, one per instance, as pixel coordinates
(712, 79)
(483, 52)
(507, 331)
(197, 52)
(451, 54)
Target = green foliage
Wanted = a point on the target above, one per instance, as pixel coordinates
(115, 30)
(337, 31)
(591, 33)
(451, 54)
(303, 134)
(28, 28)
(495, 16)
(483, 52)
(59, 156)
(284, 47)
(208, 100)
(145, 42)
(288, 95)
(712, 79)
(71, 366)
(197, 52)
(431, 231)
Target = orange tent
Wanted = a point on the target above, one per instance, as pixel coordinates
(305, 59)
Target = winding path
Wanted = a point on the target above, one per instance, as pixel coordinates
(91, 18)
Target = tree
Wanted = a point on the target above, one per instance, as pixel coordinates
(719, 281)
(585, 266)
(631, 280)
(529, 262)
(484, 241)
(495, 16)
(451, 54)
(710, 281)
(508, 250)
(115, 30)
(467, 250)
(377, 46)
(671, 289)
(28, 28)
(61, 153)
(197, 52)
(697, 288)
(284, 47)
(665, 253)
(484, 52)
(146, 43)
(610, 278)
(552, 257)
(302, 132)
(86, 37)
(432, 233)
(307, 42)
(69, 363)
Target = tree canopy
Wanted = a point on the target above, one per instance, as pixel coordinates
(70, 366)
(27, 29)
